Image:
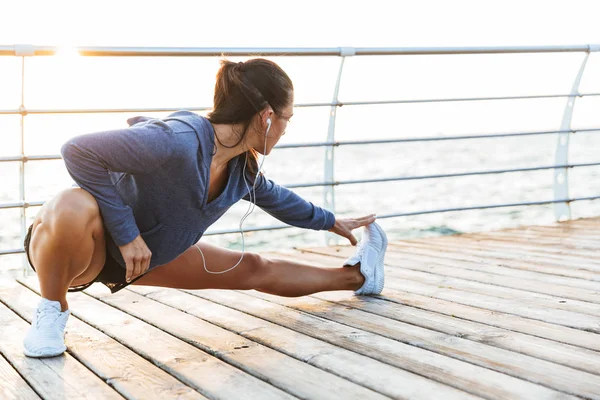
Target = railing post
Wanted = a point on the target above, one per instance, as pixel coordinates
(329, 190)
(562, 211)
(23, 50)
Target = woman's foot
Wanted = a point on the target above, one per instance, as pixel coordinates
(370, 255)
(46, 336)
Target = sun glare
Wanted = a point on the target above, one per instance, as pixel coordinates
(66, 52)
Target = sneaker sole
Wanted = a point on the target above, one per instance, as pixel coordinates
(43, 355)
(380, 271)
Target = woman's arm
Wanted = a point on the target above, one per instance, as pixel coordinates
(288, 207)
(292, 209)
(139, 149)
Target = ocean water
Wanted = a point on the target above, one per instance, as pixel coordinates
(75, 82)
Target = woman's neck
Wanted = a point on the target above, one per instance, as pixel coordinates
(226, 138)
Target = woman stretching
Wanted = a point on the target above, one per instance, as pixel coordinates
(147, 193)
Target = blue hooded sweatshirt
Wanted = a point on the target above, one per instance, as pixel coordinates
(152, 179)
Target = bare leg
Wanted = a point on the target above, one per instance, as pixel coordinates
(67, 244)
(279, 277)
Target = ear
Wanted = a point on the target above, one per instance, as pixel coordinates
(266, 114)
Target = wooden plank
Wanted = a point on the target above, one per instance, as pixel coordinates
(462, 375)
(513, 247)
(586, 222)
(540, 242)
(411, 258)
(559, 229)
(13, 386)
(557, 352)
(548, 237)
(195, 368)
(404, 281)
(516, 323)
(498, 263)
(563, 268)
(469, 255)
(373, 374)
(494, 247)
(531, 238)
(499, 285)
(537, 291)
(552, 375)
(572, 230)
(577, 227)
(498, 319)
(52, 378)
(583, 226)
(287, 373)
(572, 356)
(129, 374)
(485, 260)
(433, 286)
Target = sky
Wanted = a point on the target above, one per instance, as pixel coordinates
(307, 23)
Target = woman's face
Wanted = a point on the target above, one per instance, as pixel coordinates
(278, 126)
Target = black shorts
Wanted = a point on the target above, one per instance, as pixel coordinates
(112, 274)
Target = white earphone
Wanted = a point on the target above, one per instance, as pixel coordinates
(251, 206)
(268, 126)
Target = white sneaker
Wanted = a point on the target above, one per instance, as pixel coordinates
(370, 255)
(46, 337)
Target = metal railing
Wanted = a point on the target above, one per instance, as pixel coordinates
(561, 193)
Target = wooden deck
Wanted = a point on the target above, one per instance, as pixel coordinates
(513, 314)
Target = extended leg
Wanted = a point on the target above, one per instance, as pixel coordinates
(274, 276)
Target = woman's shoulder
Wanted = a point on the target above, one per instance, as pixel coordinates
(194, 132)
(187, 116)
(191, 121)
(180, 113)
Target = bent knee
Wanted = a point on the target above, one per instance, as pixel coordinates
(75, 202)
(72, 208)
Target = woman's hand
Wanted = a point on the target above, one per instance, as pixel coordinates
(137, 257)
(344, 227)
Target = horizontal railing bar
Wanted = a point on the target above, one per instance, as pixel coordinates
(264, 228)
(354, 142)
(30, 158)
(275, 227)
(428, 139)
(24, 111)
(12, 251)
(21, 204)
(540, 96)
(351, 182)
(410, 178)
(535, 203)
(31, 50)
(98, 110)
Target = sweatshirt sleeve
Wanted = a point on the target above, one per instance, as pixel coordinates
(288, 207)
(139, 149)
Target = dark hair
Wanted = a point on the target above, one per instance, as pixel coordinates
(244, 89)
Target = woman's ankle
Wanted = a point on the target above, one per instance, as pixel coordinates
(64, 306)
(357, 278)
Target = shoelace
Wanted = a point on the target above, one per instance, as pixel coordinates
(363, 240)
(46, 316)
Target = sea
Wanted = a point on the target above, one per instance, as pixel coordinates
(69, 81)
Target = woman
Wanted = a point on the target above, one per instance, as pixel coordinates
(147, 193)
